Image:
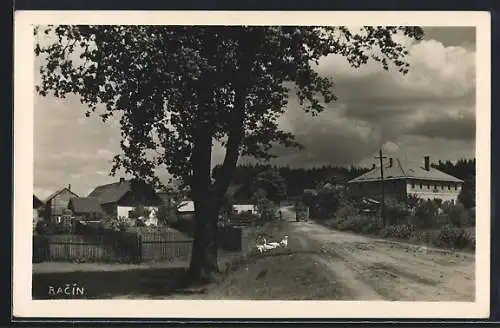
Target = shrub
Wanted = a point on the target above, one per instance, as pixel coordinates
(43, 228)
(40, 248)
(395, 211)
(426, 213)
(167, 214)
(267, 210)
(402, 231)
(347, 209)
(139, 211)
(453, 237)
(458, 216)
(364, 224)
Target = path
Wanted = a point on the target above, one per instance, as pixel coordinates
(375, 269)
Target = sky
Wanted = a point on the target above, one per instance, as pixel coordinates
(428, 112)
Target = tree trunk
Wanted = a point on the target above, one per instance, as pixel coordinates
(204, 264)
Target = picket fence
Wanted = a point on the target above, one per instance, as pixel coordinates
(115, 246)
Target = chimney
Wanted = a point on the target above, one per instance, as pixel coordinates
(122, 180)
(69, 187)
(390, 162)
(427, 163)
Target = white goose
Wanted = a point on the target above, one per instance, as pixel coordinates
(269, 246)
(284, 241)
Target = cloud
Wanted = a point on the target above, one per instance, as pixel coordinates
(449, 127)
(429, 111)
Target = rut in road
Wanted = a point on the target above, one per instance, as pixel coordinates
(379, 270)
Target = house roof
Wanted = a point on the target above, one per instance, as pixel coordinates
(110, 193)
(85, 205)
(186, 206)
(54, 194)
(113, 192)
(36, 202)
(405, 170)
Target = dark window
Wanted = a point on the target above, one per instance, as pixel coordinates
(449, 187)
(413, 184)
(455, 187)
(420, 185)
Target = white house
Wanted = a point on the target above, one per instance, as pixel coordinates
(404, 178)
(119, 199)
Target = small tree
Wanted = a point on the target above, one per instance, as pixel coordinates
(272, 183)
(426, 213)
(265, 207)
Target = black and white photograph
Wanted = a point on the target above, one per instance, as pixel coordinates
(302, 157)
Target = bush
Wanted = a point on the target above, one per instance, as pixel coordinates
(364, 224)
(40, 248)
(167, 214)
(426, 212)
(43, 228)
(395, 211)
(453, 237)
(346, 210)
(402, 231)
(139, 211)
(458, 216)
(267, 210)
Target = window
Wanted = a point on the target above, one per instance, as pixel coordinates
(449, 187)
(420, 185)
(413, 185)
(455, 187)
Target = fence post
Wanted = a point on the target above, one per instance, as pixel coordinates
(139, 247)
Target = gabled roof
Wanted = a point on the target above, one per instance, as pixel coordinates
(54, 194)
(85, 205)
(405, 170)
(36, 202)
(113, 192)
(186, 206)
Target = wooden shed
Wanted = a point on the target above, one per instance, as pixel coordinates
(56, 204)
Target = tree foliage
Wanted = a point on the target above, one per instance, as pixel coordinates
(168, 81)
(179, 89)
(271, 183)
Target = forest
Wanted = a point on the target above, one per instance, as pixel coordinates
(298, 179)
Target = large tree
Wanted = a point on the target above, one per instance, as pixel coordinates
(179, 89)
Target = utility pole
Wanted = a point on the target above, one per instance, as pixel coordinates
(381, 158)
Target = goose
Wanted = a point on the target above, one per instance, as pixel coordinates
(284, 241)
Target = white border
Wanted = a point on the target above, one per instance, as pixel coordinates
(24, 306)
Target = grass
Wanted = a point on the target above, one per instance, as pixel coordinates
(288, 274)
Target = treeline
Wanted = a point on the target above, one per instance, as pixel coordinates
(464, 169)
(297, 179)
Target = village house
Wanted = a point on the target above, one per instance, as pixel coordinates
(119, 199)
(86, 209)
(241, 197)
(403, 178)
(57, 204)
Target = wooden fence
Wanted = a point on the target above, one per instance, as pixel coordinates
(228, 237)
(115, 246)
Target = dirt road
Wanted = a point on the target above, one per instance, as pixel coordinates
(374, 269)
